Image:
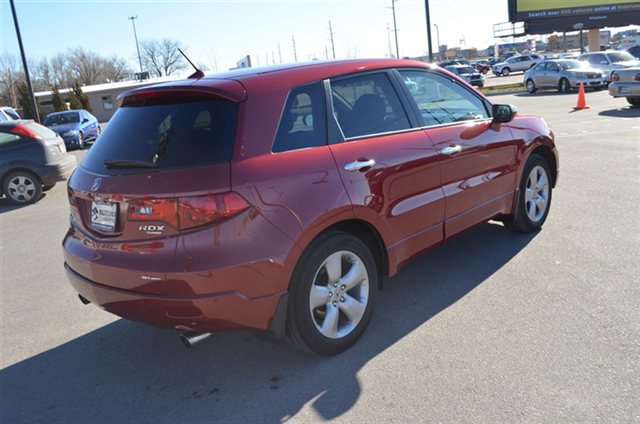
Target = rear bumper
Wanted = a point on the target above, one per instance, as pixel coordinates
(198, 313)
(624, 89)
(60, 171)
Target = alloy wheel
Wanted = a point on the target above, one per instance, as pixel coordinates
(536, 197)
(339, 295)
(21, 188)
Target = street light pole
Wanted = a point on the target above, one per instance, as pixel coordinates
(135, 35)
(36, 115)
(426, 8)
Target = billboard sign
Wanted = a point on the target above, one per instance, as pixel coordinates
(565, 15)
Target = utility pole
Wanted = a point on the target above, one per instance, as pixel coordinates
(34, 104)
(279, 52)
(395, 27)
(326, 53)
(438, 39)
(295, 54)
(135, 34)
(426, 8)
(389, 40)
(333, 47)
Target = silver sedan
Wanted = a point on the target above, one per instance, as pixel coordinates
(626, 83)
(563, 75)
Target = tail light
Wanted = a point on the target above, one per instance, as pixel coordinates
(637, 77)
(615, 77)
(185, 213)
(26, 132)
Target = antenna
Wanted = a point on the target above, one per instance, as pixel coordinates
(198, 73)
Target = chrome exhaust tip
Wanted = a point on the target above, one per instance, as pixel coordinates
(190, 339)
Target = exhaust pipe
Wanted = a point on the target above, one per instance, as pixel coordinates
(190, 339)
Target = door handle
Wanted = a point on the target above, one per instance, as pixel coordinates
(451, 150)
(358, 165)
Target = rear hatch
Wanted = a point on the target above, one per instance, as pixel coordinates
(161, 167)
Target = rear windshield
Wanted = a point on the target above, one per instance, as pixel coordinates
(62, 118)
(168, 135)
(43, 132)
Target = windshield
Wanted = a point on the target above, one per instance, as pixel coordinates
(167, 135)
(570, 64)
(466, 70)
(620, 57)
(62, 118)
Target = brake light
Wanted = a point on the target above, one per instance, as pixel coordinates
(637, 77)
(615, 77)
(185, 213)
(26, 132)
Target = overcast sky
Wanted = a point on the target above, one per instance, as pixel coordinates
(219, 33)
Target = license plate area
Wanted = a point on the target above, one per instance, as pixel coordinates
(104, 215)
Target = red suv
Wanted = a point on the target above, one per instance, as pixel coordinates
(277, 198)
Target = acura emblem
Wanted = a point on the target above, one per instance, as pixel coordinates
(96, 184)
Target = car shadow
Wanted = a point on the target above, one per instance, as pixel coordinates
(6, 206)
(627, 112)
(128, 372)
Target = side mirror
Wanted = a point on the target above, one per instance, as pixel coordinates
(503, 113)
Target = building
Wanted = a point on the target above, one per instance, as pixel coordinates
(102, 97)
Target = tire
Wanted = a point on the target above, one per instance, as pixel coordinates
(530, 214)
(564, 86)
(634, 101)
(531, 86)
(81, 143)
(505, 72)
(344, 253)
(22, 188)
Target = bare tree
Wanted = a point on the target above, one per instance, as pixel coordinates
(10, 76)
(161, 57)
(85, 66)
(116, 69)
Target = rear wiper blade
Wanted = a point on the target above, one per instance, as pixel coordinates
(123, 164)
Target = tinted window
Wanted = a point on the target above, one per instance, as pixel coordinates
(366, 105)
(552, 66)
(596, 59)
(303, 120)
(62, 118)
(620, 57)
(442, 101)
(12, 113)
(170, 135)
(8, 138)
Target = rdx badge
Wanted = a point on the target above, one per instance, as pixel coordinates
(152, 229)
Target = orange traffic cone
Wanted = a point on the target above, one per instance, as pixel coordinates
(582, 100)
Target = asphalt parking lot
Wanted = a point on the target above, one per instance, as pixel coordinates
(492, 327)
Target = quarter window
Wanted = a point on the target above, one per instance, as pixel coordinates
(441, 100)
(367, 105)
(303, 120)
(8, 138)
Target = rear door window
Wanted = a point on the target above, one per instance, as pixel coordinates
(303, 120)
(367, 105)
(168, 133)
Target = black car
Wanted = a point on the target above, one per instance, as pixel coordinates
(32, 159)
